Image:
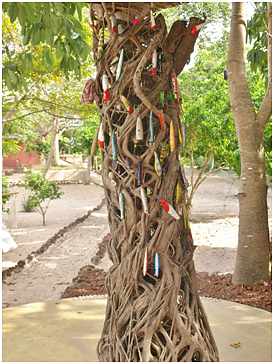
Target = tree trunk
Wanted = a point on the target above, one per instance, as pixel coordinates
(93, 147)
(87, 181)
(53, 135)
(253, 253)
(150, 316)
(56, 147)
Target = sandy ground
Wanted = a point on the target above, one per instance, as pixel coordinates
(214, 224)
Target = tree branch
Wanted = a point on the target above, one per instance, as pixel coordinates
(54, 103)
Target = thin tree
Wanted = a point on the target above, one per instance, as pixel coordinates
(253, 253)
(154, 312)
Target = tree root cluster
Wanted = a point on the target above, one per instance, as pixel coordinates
(150, 316)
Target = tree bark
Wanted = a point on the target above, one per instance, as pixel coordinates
(253, 253)
(149, 316)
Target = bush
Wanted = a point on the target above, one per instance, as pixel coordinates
(41, 190)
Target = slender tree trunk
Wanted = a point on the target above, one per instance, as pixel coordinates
(252, 262)
(53, 135)
(150, 316)
(87, 181)
(56, 146)
(93, 147)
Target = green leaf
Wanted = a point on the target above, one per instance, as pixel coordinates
(80, 45)
(12, 76)
(22, 15)
(26, 37)
(24, 84)
(24, 65)
(13, 11)
(79, 11)
(4, 71)
(59, 50)
(72, 9)
(49, 60)
(75, 22)
(48, 36)
(19, 84)
(30, 10)
(8, 82)
(35, 38)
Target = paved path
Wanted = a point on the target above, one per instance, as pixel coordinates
(54, 270)
(68, 331)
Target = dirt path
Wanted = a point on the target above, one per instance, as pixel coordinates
(214, 225)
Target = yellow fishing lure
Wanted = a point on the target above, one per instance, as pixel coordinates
(172, 137)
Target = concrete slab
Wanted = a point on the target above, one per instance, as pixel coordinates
(68, 331)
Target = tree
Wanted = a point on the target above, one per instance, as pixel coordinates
(152, 314)
(211, 135)
(44, 57)
(85, 135)
(41, 190)
(253, 253)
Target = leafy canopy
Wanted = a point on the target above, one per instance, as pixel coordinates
(56, 27)
(257, 36)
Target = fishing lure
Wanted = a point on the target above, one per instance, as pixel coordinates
(163, 155)
(139, 130)
(181, 173)
(114, 150)
(183, 129)
(161, 98)
(124, 32)
(162, 119)
(144, 201)
(122, 205)
(91, 24)
(160, 56)
(121, 88)
(119, 67)
(126, 104)
(128, 162)
(168, 208)
(157, 265)
(151, 135)
(101, 138)
(178, 193)
(100, 44)
(154, 62)
(175, 84)
(152, 20)
(198, 27)
(180, 136)
(105, 83)
(186, 222)
(112, 179)
(141, 81)
(140, 173)
(172, 137)
(157, 165)
(145, 268)
(113, 24)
